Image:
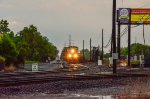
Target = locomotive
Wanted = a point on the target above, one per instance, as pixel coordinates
(70, 54)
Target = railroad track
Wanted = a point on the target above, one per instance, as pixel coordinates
(26, 73)
(73, 68)
(13, 79)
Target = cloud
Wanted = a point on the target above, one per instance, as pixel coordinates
(13, 22)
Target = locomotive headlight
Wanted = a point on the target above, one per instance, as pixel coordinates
(69, 55)
(72, 50)
(75, 55)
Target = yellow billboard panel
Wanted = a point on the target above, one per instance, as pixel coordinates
(140, 15)
(140, 18)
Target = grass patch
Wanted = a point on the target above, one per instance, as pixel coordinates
(31, 62)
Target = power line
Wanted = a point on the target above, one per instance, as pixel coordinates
(125, 31)
(108, 43)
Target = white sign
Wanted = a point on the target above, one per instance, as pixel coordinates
(110, 60)
(124, 12)
(115, 55)
(35, 67)
(141, 59)
(135, 58)
(99, 62)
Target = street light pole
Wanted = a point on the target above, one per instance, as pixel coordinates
(114, 34)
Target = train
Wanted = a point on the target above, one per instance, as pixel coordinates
(70, 54)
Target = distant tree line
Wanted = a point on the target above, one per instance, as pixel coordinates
(86, 54)
(136, 49)
(28, 44)
(95, 53)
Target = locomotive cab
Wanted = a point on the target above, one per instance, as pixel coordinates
(70, 54)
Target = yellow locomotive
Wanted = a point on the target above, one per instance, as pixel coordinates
(70, 54)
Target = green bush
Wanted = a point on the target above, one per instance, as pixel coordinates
(135, 62)
(2, 59)
(106, 61)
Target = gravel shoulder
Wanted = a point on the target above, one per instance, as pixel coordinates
(79, 89)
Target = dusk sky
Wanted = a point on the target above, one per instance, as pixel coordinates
(82, 19)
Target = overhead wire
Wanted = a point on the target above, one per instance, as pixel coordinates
(123, 33)
(108, 43)
(127, 29)
(110, 40)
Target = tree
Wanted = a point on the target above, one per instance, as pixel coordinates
(4, 26)
(86, 54)
(7, 46)
(8, 49)
(136, 49)
(28, 44)
(124, 51)
(52, 51)
(37, 46)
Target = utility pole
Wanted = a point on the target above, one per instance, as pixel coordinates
(90, 48)
(114, 34)
(129, 39)
(102, 46)
(83, 52)
(143, 33)
(118, 41)
(111, 47)
(143, 52)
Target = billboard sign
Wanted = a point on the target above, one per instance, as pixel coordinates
(138, 15)
(124, 15)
